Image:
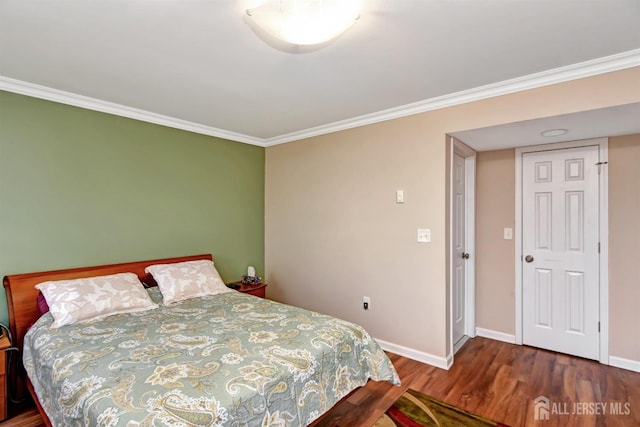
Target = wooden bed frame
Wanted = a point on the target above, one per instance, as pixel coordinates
(22, 296)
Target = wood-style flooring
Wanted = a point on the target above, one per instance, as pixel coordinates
(496, 380)
(26, 418)
(500, 381)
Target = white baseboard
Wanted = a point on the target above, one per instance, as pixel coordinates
(449, 361)
(619, 362)
(446, 362)
(495, 335)
(420, 356)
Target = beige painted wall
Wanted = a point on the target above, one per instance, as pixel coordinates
(336, 233)
(624, 246)
(333, 232)
(495, 256)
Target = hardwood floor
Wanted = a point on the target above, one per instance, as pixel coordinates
(496, 380)
(28, 418)
(24, 414)
(500, 381)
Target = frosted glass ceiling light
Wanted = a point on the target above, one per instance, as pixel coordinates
(305, 23)
(554, 132)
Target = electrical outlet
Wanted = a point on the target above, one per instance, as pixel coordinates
(366, 303)
(424, 235)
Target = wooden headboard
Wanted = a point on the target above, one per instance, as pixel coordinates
(22, 295)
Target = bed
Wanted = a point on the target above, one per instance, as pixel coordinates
(228, 359)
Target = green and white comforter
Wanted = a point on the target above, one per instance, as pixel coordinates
(224, 360)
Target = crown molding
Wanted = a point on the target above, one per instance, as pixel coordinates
(69, 98)
(580, 70)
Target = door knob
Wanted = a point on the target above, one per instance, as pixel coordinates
(528, 258)
(465, 255)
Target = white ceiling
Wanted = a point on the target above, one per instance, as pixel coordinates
(196, 64)
(604, 122)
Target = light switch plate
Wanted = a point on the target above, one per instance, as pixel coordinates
(424, 235)
(399, 196)
(508, 233)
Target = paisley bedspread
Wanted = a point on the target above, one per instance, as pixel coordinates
(225, 360)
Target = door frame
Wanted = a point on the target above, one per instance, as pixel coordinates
(469, 155)
(603, 226)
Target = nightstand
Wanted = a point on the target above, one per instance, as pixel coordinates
(4, 344)
(257, 290)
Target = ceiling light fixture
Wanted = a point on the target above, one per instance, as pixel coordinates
(303, 25)
(554, 132)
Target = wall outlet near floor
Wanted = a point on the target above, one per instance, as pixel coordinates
(366, 303)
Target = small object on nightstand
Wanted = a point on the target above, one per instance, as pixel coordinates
(233, 286)
(258, 290)
(251, 280)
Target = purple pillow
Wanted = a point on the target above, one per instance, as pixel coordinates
(43, 307)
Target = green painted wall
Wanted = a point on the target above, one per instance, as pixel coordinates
(78, 188)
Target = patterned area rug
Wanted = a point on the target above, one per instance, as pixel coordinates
(414, 409)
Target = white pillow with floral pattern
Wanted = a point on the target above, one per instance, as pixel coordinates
(94, 298)
(189, 279)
